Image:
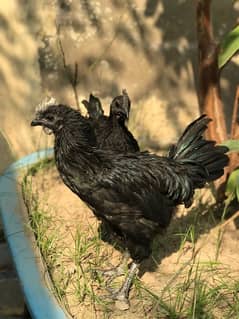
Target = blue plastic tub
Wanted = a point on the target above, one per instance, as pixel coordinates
(31, 270)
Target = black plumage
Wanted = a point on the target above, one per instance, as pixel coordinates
(135, 193)
(111, 131)
(94, 107)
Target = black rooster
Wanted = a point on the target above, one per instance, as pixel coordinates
(135, 193)
(111, 132)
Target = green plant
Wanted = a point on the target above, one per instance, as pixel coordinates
(232, 185)
(229, 46)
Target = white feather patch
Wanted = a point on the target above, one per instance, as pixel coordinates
(47, 101)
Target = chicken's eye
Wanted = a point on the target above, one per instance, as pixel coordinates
(50, 117)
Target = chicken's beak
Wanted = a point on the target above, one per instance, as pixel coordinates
(37, 122)
(41, 122)
(126, 104)
(127, 114)
(124, 114)
(47, 128)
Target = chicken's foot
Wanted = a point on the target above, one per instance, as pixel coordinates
(117, 271)
(121, 296)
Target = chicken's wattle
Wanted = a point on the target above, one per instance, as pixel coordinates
(47, 130)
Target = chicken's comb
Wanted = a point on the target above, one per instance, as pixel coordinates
(124, 92)
(126, 99)
(47, 101)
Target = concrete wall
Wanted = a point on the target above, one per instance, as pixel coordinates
(148, 47)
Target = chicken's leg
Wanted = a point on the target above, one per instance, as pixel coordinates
(122, 295)
(117, 271)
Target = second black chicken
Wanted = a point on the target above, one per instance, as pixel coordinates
(111, 132)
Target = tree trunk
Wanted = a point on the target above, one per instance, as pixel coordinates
(234, 157)
(210, 102)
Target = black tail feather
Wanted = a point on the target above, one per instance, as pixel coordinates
(205, 159)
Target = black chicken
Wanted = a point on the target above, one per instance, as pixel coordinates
(111, 131)
(135, 193)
